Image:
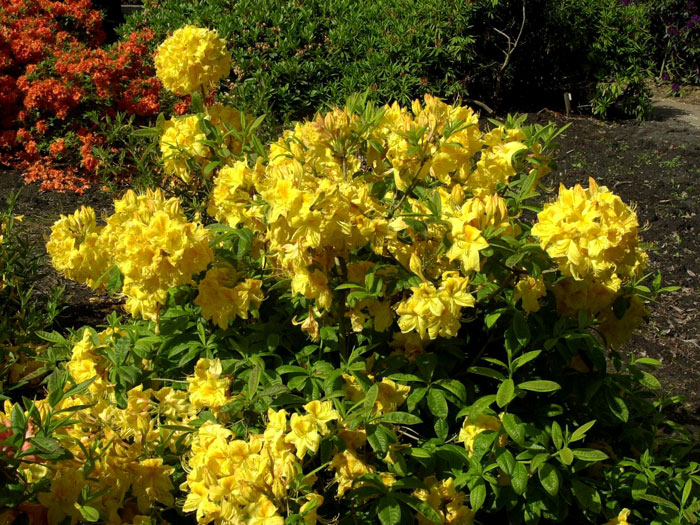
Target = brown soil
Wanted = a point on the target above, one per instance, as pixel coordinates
(40, 211)
(654, 164)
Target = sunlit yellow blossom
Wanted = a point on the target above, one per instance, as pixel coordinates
(530, 290)
(323, 413)
(446, 501)
(207, 389)
(222, 298)
(435, 312)
(471, 429)
(391, 396)
(590, 233)
(154, 247)
(621, 518)
(348, 466)
(74, 247)
(151, 483)
(182, 139)
(190, 59)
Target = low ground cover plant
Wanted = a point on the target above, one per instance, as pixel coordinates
(367, 319)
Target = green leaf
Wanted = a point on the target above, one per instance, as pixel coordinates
(539, 385)
(650, 381)
(437, 403)
(549, 477)
(420, 506)
(415, 397)
(521, 328)
(590, 454)
(687, 488)
(455, 387)
(557, 436)
(389, 510)
(525, 358)
(506, 393)
(659, 501)
(639, 486)
(567, 456)
(506, 461)
(513, 428)
(519, 478)
(46, 444)
(587, 496)
(399, 418)
(370, 399)
(487, 372)
(618, 407)
(477, 495)
(441, 428)
(90, 514)
(253, 381)
(580, 432)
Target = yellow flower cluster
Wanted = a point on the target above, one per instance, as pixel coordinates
(149, 240)
(74, 249)
(183, 139)
(590, 233)
(251, 481)
(192, 58)
(592, 236)
(446, 500)
(222, 298)
(323, 196)
(435, 312)
(206, 388)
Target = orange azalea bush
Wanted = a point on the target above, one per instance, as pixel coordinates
(52, 72)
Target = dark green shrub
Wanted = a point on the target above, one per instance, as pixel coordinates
(290, 58)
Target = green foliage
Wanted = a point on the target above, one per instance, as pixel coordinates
(290, 58)
(25, 310)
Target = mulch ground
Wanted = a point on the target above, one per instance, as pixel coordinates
(653, 164)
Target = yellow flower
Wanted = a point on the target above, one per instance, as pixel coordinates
(391, 396)
(621, 518)
(471, 429)
(309, 509)
(182, 139)
(348, 466)
(445, 500)
(323, 413)
(192, 58)
(206, 388)
(222, 299)
(151, 483)
(432, 313)
(618, 331)
(530, 290)
(304, 434)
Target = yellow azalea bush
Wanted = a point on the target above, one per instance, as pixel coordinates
(376, 320)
